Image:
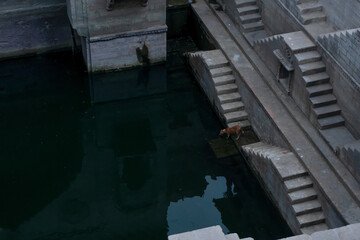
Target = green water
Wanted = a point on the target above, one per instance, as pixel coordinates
(138, 168)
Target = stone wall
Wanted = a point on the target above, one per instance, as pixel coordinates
(344, 14)
(341, 54)
(33, 26)
(272, 14)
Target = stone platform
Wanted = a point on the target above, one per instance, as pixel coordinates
(33, 26)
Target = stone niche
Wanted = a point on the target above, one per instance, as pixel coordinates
(127, 36)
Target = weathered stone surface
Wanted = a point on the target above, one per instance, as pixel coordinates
(210, 233)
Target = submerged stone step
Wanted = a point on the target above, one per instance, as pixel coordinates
(218, 72)
(243, 3)
(311, 68)
(309, 7)
(229, 97)
(327, 111)
(316, 79)
(288, 166)
(318, 90)
(315, 228)
(298, 183)
(307, 207)
(222, 80)
(313, 17)
(323, 100)
(311, 219)
(302, 195)
(227, 88)
(254, 26)
(248, 10)
(331, 122)
(232, 107)
(250, 18)
(308, 57)
(243, 124)
(235, 116)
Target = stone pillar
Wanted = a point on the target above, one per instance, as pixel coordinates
(127, 36)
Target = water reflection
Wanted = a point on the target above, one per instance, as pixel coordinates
(132, 169)
(198, 212)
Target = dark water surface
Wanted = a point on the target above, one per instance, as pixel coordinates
(134, 169)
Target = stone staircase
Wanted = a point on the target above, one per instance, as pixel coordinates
(310, 11)
(288, 181)
(324, 113)
(249, 19)
(227, 97)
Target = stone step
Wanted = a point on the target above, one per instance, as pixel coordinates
(218, 72)
(331, 122)
(315, 228)
(254, 26)
(312, 68)
(311, 219)
(288, 166)
(243, 124)
(243, 3)
(227, 88)
(229, 97)
(327, 111)
(318, 90)
(302, 195)
(305, 1)
(232, 107)
(308, 57)
(248, 10)
(250, 18)
(312, 17)
(215, 59)
(306, 207)
(323, 100)
(298, 42)
(222, 80)
(299, 183)
(309, 7)
(235, 116)
(315, 79)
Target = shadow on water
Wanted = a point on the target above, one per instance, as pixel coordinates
(140, 168)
